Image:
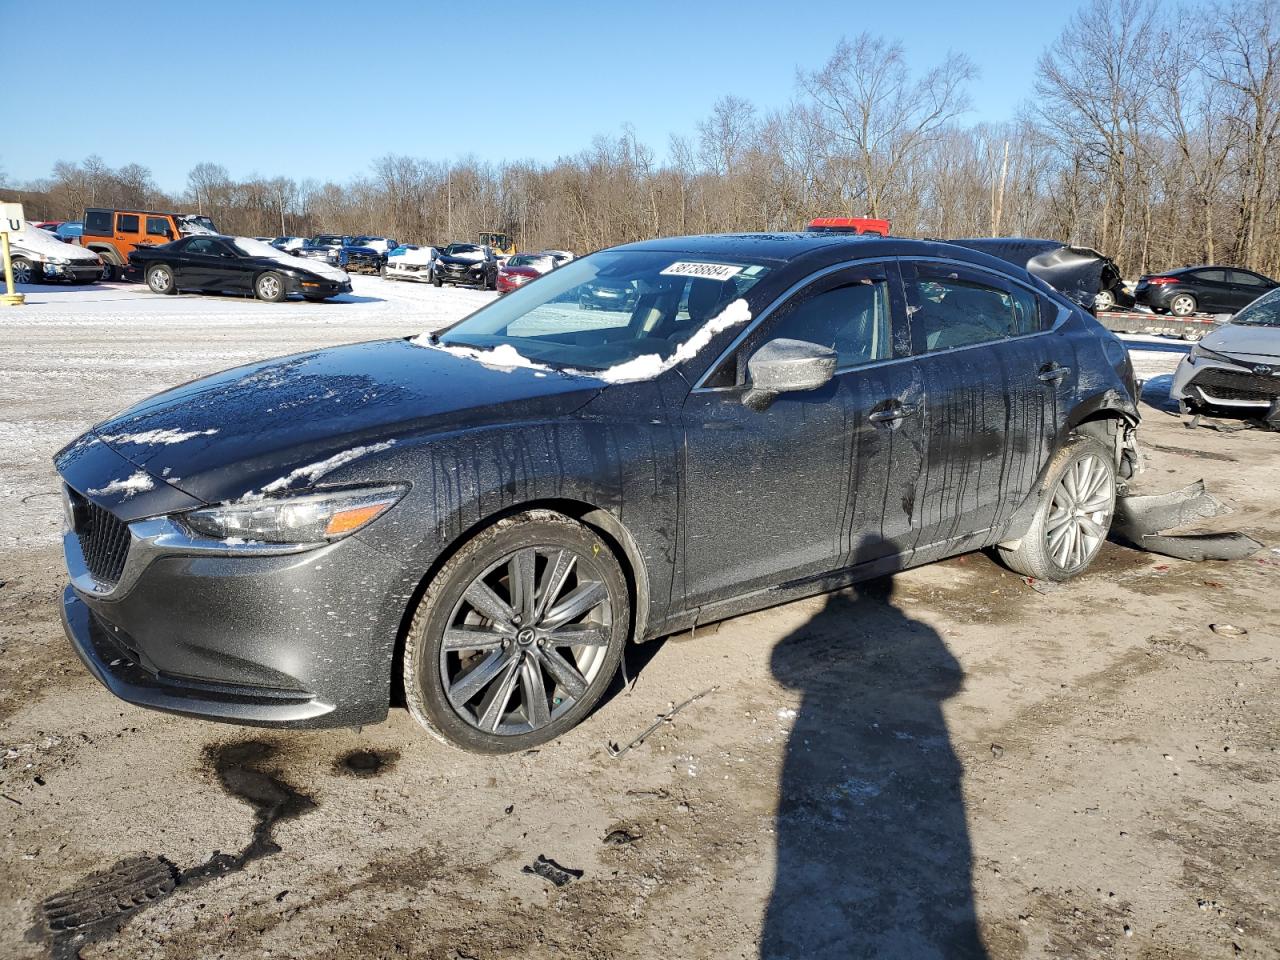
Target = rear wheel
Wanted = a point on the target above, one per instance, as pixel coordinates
(1183, 305)
(160, 279)
(1074, 515)
(1104, 300)
(270, 287)
(518, 635)
(24, 271)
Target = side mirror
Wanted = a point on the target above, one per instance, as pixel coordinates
(787, 366)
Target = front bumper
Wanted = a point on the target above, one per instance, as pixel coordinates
(460, 275)
(422, 274)
(1222, 384)
(72, 272)
(299, 640)
(317, 288)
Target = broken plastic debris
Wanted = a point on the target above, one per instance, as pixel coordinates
(1228, 630)
(615, 751)
(1142, 520)
(550, 870)
(619, 838)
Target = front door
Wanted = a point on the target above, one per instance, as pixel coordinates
(820, 480)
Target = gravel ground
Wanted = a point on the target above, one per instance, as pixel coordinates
(1088, 772)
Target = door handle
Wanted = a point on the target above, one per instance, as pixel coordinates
(1052, 372)
(892, 415)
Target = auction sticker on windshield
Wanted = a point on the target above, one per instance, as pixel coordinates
(709, 271)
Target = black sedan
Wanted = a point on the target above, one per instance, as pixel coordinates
(1201, 290)
(213, 264)
(486, 518)
(466, 263)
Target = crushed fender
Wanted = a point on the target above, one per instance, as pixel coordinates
(1142, 522)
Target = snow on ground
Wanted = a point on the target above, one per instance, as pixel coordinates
(73, 351)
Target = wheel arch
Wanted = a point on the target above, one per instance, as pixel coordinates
(592, 515)
(107, 251)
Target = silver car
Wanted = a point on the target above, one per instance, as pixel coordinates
(1237, 365)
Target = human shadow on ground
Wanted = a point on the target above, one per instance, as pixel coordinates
(873, 854)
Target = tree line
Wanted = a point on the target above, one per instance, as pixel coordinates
(1152, 134)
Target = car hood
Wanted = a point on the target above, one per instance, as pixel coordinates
(40, 244)
(1239, 339)
(233, 433)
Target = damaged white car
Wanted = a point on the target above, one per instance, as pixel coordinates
(38, 256)
(1237, 366)
(411, 263)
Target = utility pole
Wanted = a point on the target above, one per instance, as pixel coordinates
(448, 181)
(997, 213)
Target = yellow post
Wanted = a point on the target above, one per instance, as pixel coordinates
(10, 299)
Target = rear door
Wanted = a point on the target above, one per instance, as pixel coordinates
(992, 374)
(820, 480)
(1212, 292)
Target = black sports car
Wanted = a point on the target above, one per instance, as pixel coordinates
(239, 264)
(485, 518)
(469, 263)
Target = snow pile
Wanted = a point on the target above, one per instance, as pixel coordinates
(162, 437)
(504, 357)
(256, 248)
(138, 483)
(314, 471)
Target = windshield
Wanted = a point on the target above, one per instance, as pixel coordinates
(609, 308)
(527, 260)
(1263, 312)
(456, 248)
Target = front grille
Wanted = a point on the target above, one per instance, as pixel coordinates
(1229, 385)
(104, 539)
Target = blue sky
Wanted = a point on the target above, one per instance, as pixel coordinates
(311, 88)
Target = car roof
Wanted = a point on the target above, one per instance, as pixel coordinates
(817, 250)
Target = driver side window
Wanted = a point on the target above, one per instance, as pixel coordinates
(852, 319)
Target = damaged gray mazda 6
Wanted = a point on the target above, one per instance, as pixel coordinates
(476, 523)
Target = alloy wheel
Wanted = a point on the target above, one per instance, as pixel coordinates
(159, 280)
(1080, 512)
(22, 270)
(269, 288)
(1104, 300)
(526, 640)
(1182, 305)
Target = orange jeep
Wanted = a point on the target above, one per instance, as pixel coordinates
(114, 234)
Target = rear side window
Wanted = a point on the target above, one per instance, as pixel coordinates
(97, 222)
(1211, 276)
(157, 227)
(852, 319)
(201, 245)
(127, 223)
(950, 310)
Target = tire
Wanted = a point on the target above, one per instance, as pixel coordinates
(382, 271)
(108, 271)
(270, 287)
(1183, 305)
(1104, 300)
(436, 281)
(24, 271)
(1047, 553)
(161, 280)
(517, 667)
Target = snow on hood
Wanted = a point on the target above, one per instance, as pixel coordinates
(43, 244)
(256, 248)
(471, 256)
(314, 471)
(163, 437)
(139, 482)
(645, 367)
(421, 255)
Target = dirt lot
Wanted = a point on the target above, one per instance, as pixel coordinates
(1090, 772)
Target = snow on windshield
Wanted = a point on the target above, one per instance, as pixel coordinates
(645, 367)
(256, 248)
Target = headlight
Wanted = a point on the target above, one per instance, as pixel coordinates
(1203, 353)
(309, 518)
(60, 261)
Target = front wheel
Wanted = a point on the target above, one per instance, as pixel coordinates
(160, 279)
(24, 271)
(1183, 305)
(270, 287)
(518, 635)
(1074, 515)
(1104, 300)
